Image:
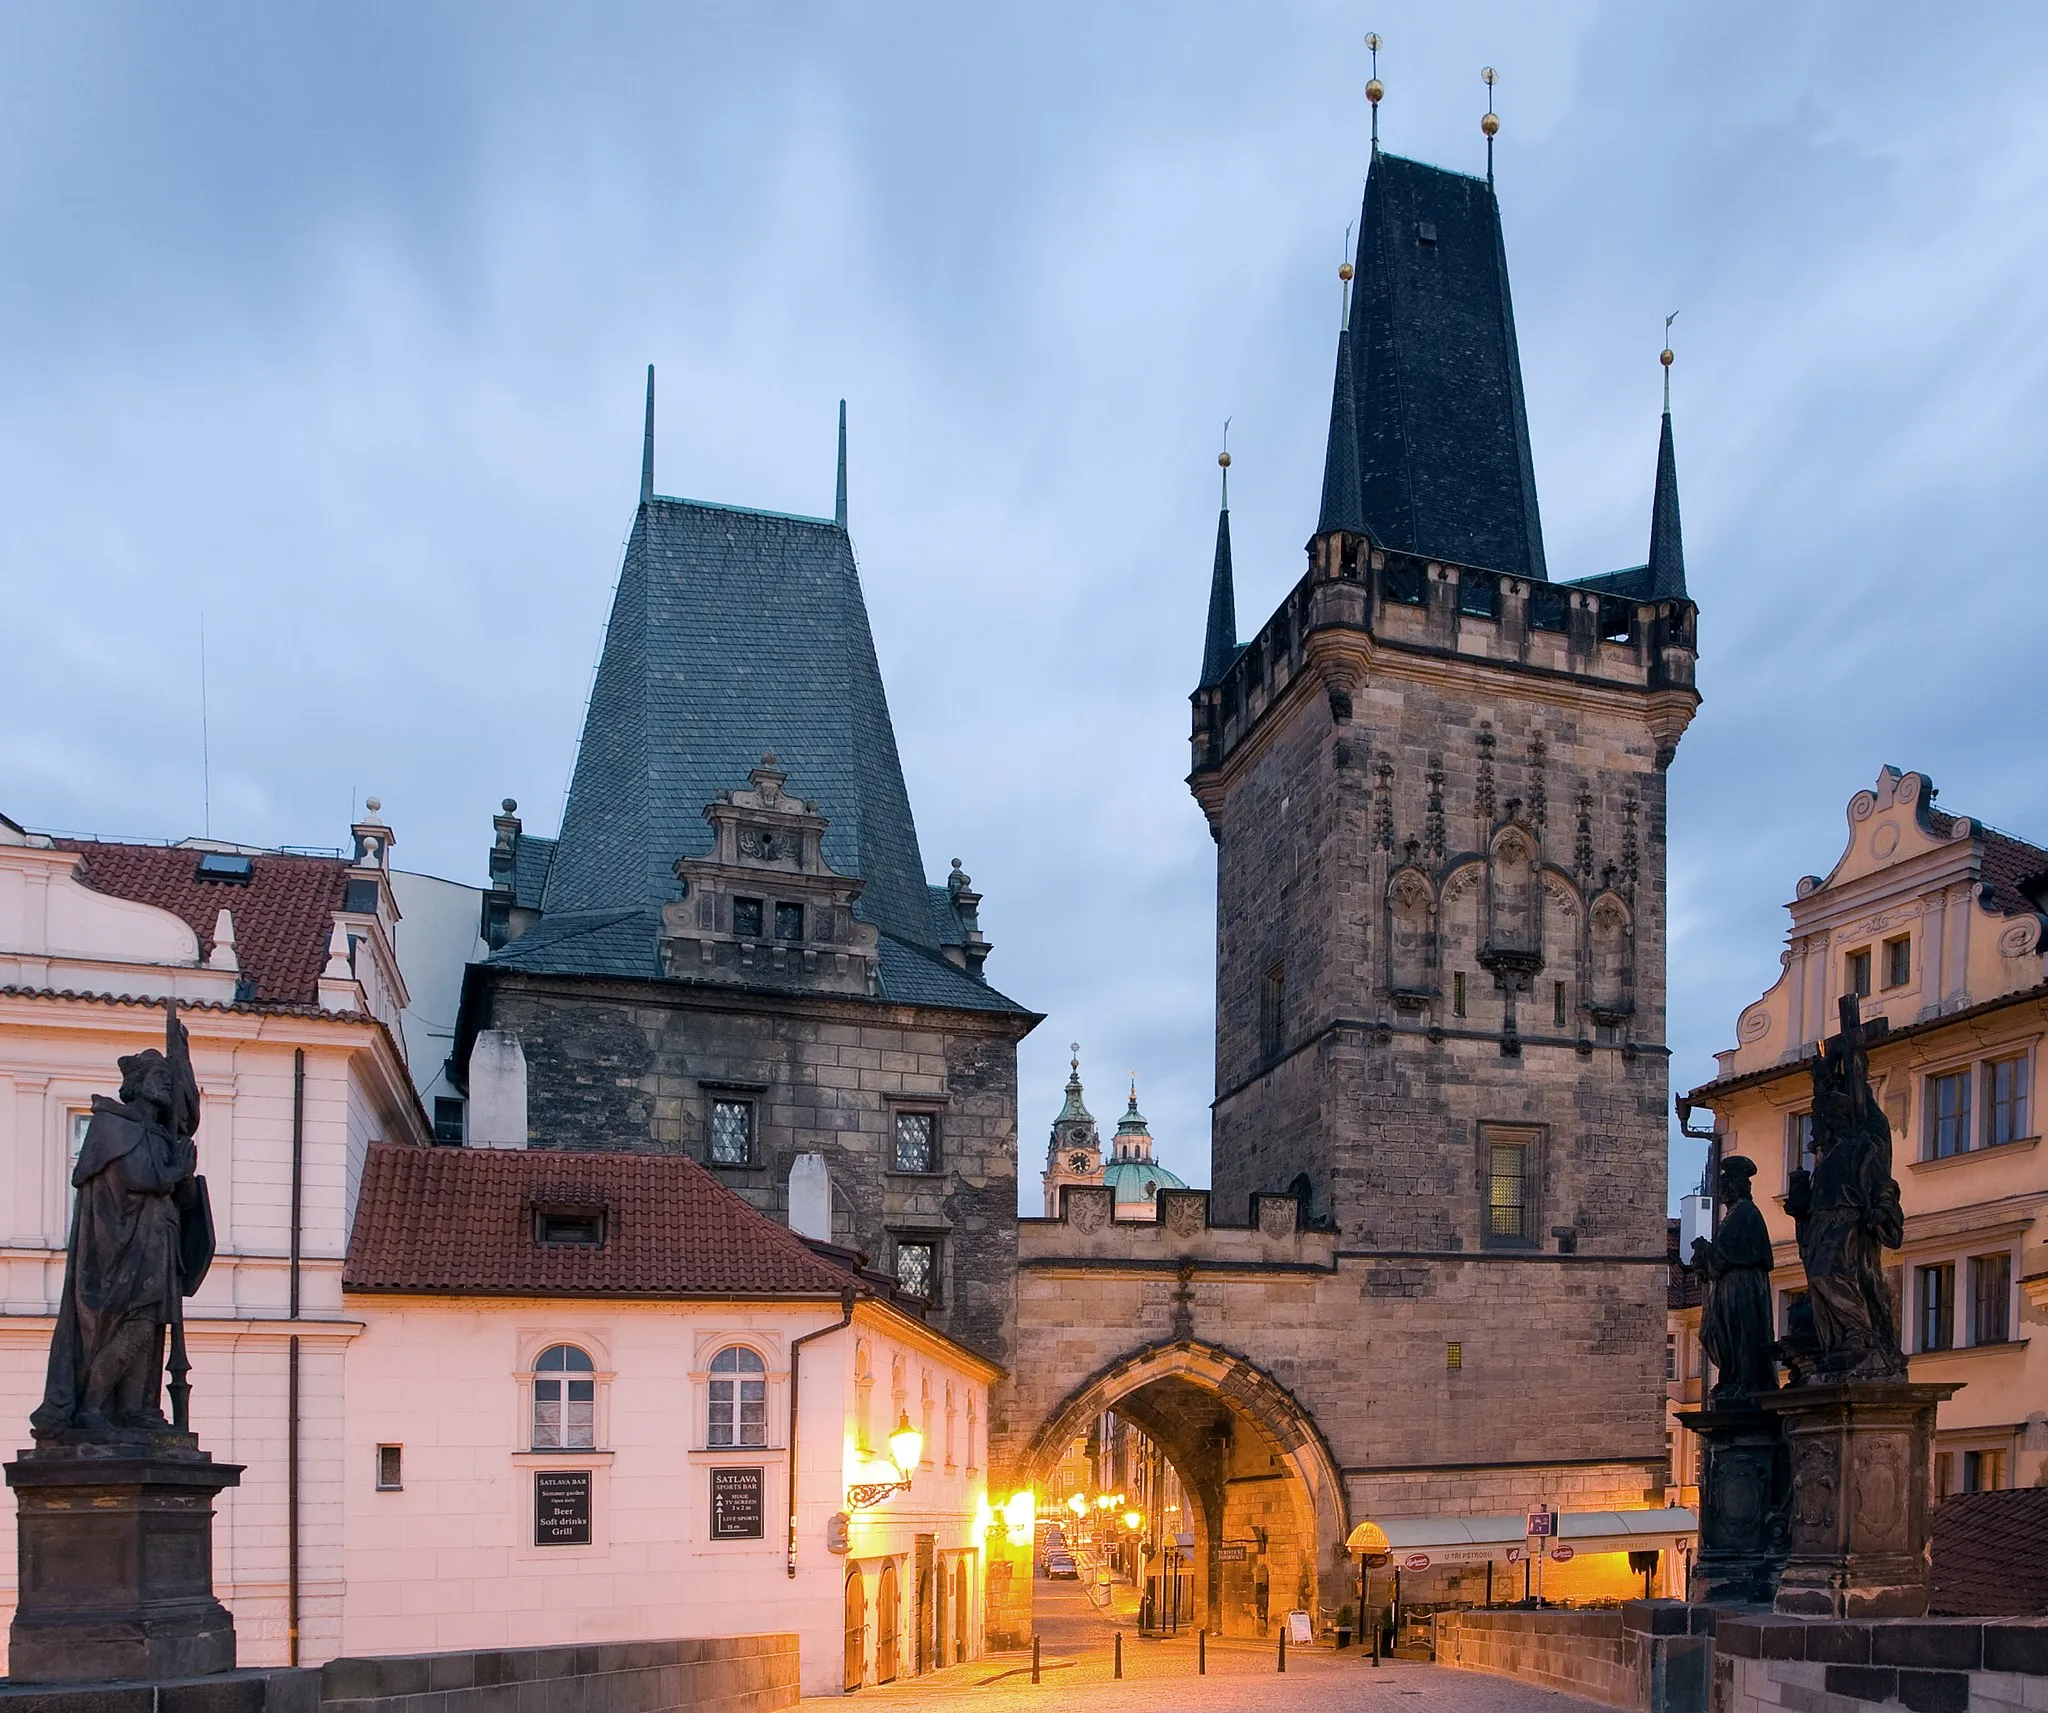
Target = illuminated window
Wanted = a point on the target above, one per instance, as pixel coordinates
(917, 1267)
(1507, 1198)
(739, 1398)
(564, 1400)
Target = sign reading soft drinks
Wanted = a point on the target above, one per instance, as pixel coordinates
(561, 1507)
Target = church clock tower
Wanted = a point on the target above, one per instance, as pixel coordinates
(1073, 1153)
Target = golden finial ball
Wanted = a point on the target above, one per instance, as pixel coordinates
(1344, 272)
(1223, 458)
(1374, 90)
(1490, 124)
(1664, 356)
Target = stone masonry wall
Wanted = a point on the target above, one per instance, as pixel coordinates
(630, 1067)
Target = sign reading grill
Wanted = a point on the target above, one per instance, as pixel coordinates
(561, 1507)
(735, 1504)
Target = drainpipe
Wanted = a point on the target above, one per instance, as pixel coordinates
(795, 1356)
(291, 1480)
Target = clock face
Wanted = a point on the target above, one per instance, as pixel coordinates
(1078, 1162)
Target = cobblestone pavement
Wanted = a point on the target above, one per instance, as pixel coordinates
(1076, 1660)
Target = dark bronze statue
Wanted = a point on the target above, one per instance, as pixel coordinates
(1847, 1211)
(141, 1241)
(1736, 1325)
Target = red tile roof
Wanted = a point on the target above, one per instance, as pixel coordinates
(1684, 1289)
(1991, 1554)
(283, 914)
(460, 1221)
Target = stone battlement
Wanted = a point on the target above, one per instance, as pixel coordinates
(1183, 1229)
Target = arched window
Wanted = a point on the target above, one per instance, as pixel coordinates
(564, 1400)
(739, 1398)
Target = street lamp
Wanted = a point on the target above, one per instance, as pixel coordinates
(906, 1451)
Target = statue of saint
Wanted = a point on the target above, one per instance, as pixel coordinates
(1736, 1325)
(1847, 1210)
(141, 1241)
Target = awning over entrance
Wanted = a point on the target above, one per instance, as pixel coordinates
(1476, 1540)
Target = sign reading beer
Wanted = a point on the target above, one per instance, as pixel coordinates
(561, 1507)
(735, 1504)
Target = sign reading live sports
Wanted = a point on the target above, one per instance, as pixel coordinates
(561, 1507)
(735, 1504)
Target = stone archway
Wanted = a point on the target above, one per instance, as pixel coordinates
(1229, 1429)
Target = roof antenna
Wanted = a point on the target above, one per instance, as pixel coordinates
(1223, 459)
(1374, 89)
(1491, 123)
(1665, 357)
(647, 444)
(1344, 276)
(839, 504)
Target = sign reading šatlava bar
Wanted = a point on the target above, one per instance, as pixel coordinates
(736, 1504)
(561, 1507)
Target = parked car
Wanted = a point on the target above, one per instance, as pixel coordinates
(1061, 1566)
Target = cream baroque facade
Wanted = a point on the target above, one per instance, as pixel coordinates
(1936, 922)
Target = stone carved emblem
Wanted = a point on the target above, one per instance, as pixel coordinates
(1277, 1218)
(1879, 1513)
(1815, 1479)
(1755, 1023)
(1183, 1216)
(1087, 1211)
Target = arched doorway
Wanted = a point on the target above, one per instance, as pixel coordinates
(856, 1631)
(1266, 1509)
(962, 1584)
(888, 1604)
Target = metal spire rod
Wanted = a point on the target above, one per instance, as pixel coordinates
(1374, 89)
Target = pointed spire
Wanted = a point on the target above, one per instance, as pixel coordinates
(839, 503)
(647, 444)
(1341, 508)
(1219, 648)
(1667, 544)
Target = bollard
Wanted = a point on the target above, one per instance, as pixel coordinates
(1201, 1653)
(1034, 1656)
(1375, 1641)
(1119, 1653)
(1283, 1645)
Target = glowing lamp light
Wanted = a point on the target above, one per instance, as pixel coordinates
(1105, 1502)
(906, 1445)
(1078, 1505)
(1019, 1513)
(1134, 1521)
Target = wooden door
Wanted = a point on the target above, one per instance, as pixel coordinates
(887, 1603)
(856, 1631)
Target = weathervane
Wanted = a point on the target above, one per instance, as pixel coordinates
(1665, 357)
(1491, 123)
(1374, 89)
(1223, 461)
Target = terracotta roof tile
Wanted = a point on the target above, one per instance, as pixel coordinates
(1991, 1554)
(461, 1221)
(283, 914)
(1685, 1288)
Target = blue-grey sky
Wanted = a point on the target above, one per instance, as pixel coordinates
(332, 322)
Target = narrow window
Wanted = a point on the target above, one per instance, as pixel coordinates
(447, 1119)
(1948, 1115)
(1898, 961)
(917, 1142)
(732, 1133)
(2006, 1080)
(1457, 993)
(1937, 1306)
(917, 1267)
(739, 1398)
(1798, 1144)
(1990, 1298)
(569, 1227)
(1856, 978)
(1273, 1011)
(789, 922)
(1454, 1354)
(1944, 1474)
(1507, 1190)
(564, 1400)
(1557, 1004)
(1983, 1471)
(1670, 1356)
(390, 1468)
(746, 918)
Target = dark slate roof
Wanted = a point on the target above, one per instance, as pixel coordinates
(1219, 647)
(734, 632)
(1340, 456)
(1443, 434)
(1667, 543)
(531, 859)
(1991, 1554)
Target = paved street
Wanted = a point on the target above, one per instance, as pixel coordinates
(1075, 1655)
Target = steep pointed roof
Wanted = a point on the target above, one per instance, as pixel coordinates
(1219, 648)
(1340, 508)
(1443, 433)
(1667, 543)
(734, 631)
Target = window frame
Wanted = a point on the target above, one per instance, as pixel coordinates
(737, 1378)
(449, 1106)
(1894, 979)
(749, 1103)
(1999, 1300)
(390, 1457)
(538, 1375)
(2020, 1101)
(1273, 1011)
(760, 908)
(1530, 1139)
(1963, 1078)
(1798, 1143)
(931, 1240)
(1925, 1315)
(1858, 968)
(936, 1161)
(787, 912)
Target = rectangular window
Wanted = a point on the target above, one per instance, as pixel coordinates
(1898, 961)
(1798, 1144)
(1856, 973)
(1507, 1196)
(1454, 1354)
(360, 899)
(1557, 1004)
(447, 1119)
(2006, 1084)
(1983, 1471)
(1937, 1287)
(390, 1468)
(739, 1410)
(1457, 993)
(1948, 1115)
(732, 1133)
(1670, 1356)
(564, 1423)
(1944, 1474)
(1990, 1298)
(568, 1227)
(917, 1142)
(789, 922)
(917, 1267)
(746, 918)
(1273, 1011)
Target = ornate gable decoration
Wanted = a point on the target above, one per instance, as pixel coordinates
(764, 909)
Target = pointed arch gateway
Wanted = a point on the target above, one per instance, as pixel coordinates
(1252, 1461)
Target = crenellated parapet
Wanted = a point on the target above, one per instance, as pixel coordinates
(1184, 1232)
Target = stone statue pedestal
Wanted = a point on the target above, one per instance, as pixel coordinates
(1862, 1457)
(114, 1548)
(1745, 1497)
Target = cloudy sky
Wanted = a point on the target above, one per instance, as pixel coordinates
(331, 323)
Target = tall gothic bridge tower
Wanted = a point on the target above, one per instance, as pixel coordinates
(1430, 1275)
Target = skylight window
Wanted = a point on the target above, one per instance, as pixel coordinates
(228, 866)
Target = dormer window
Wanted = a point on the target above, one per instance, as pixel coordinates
(789, 922)
(746, 918)
(568, 1227)
(236, 869)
